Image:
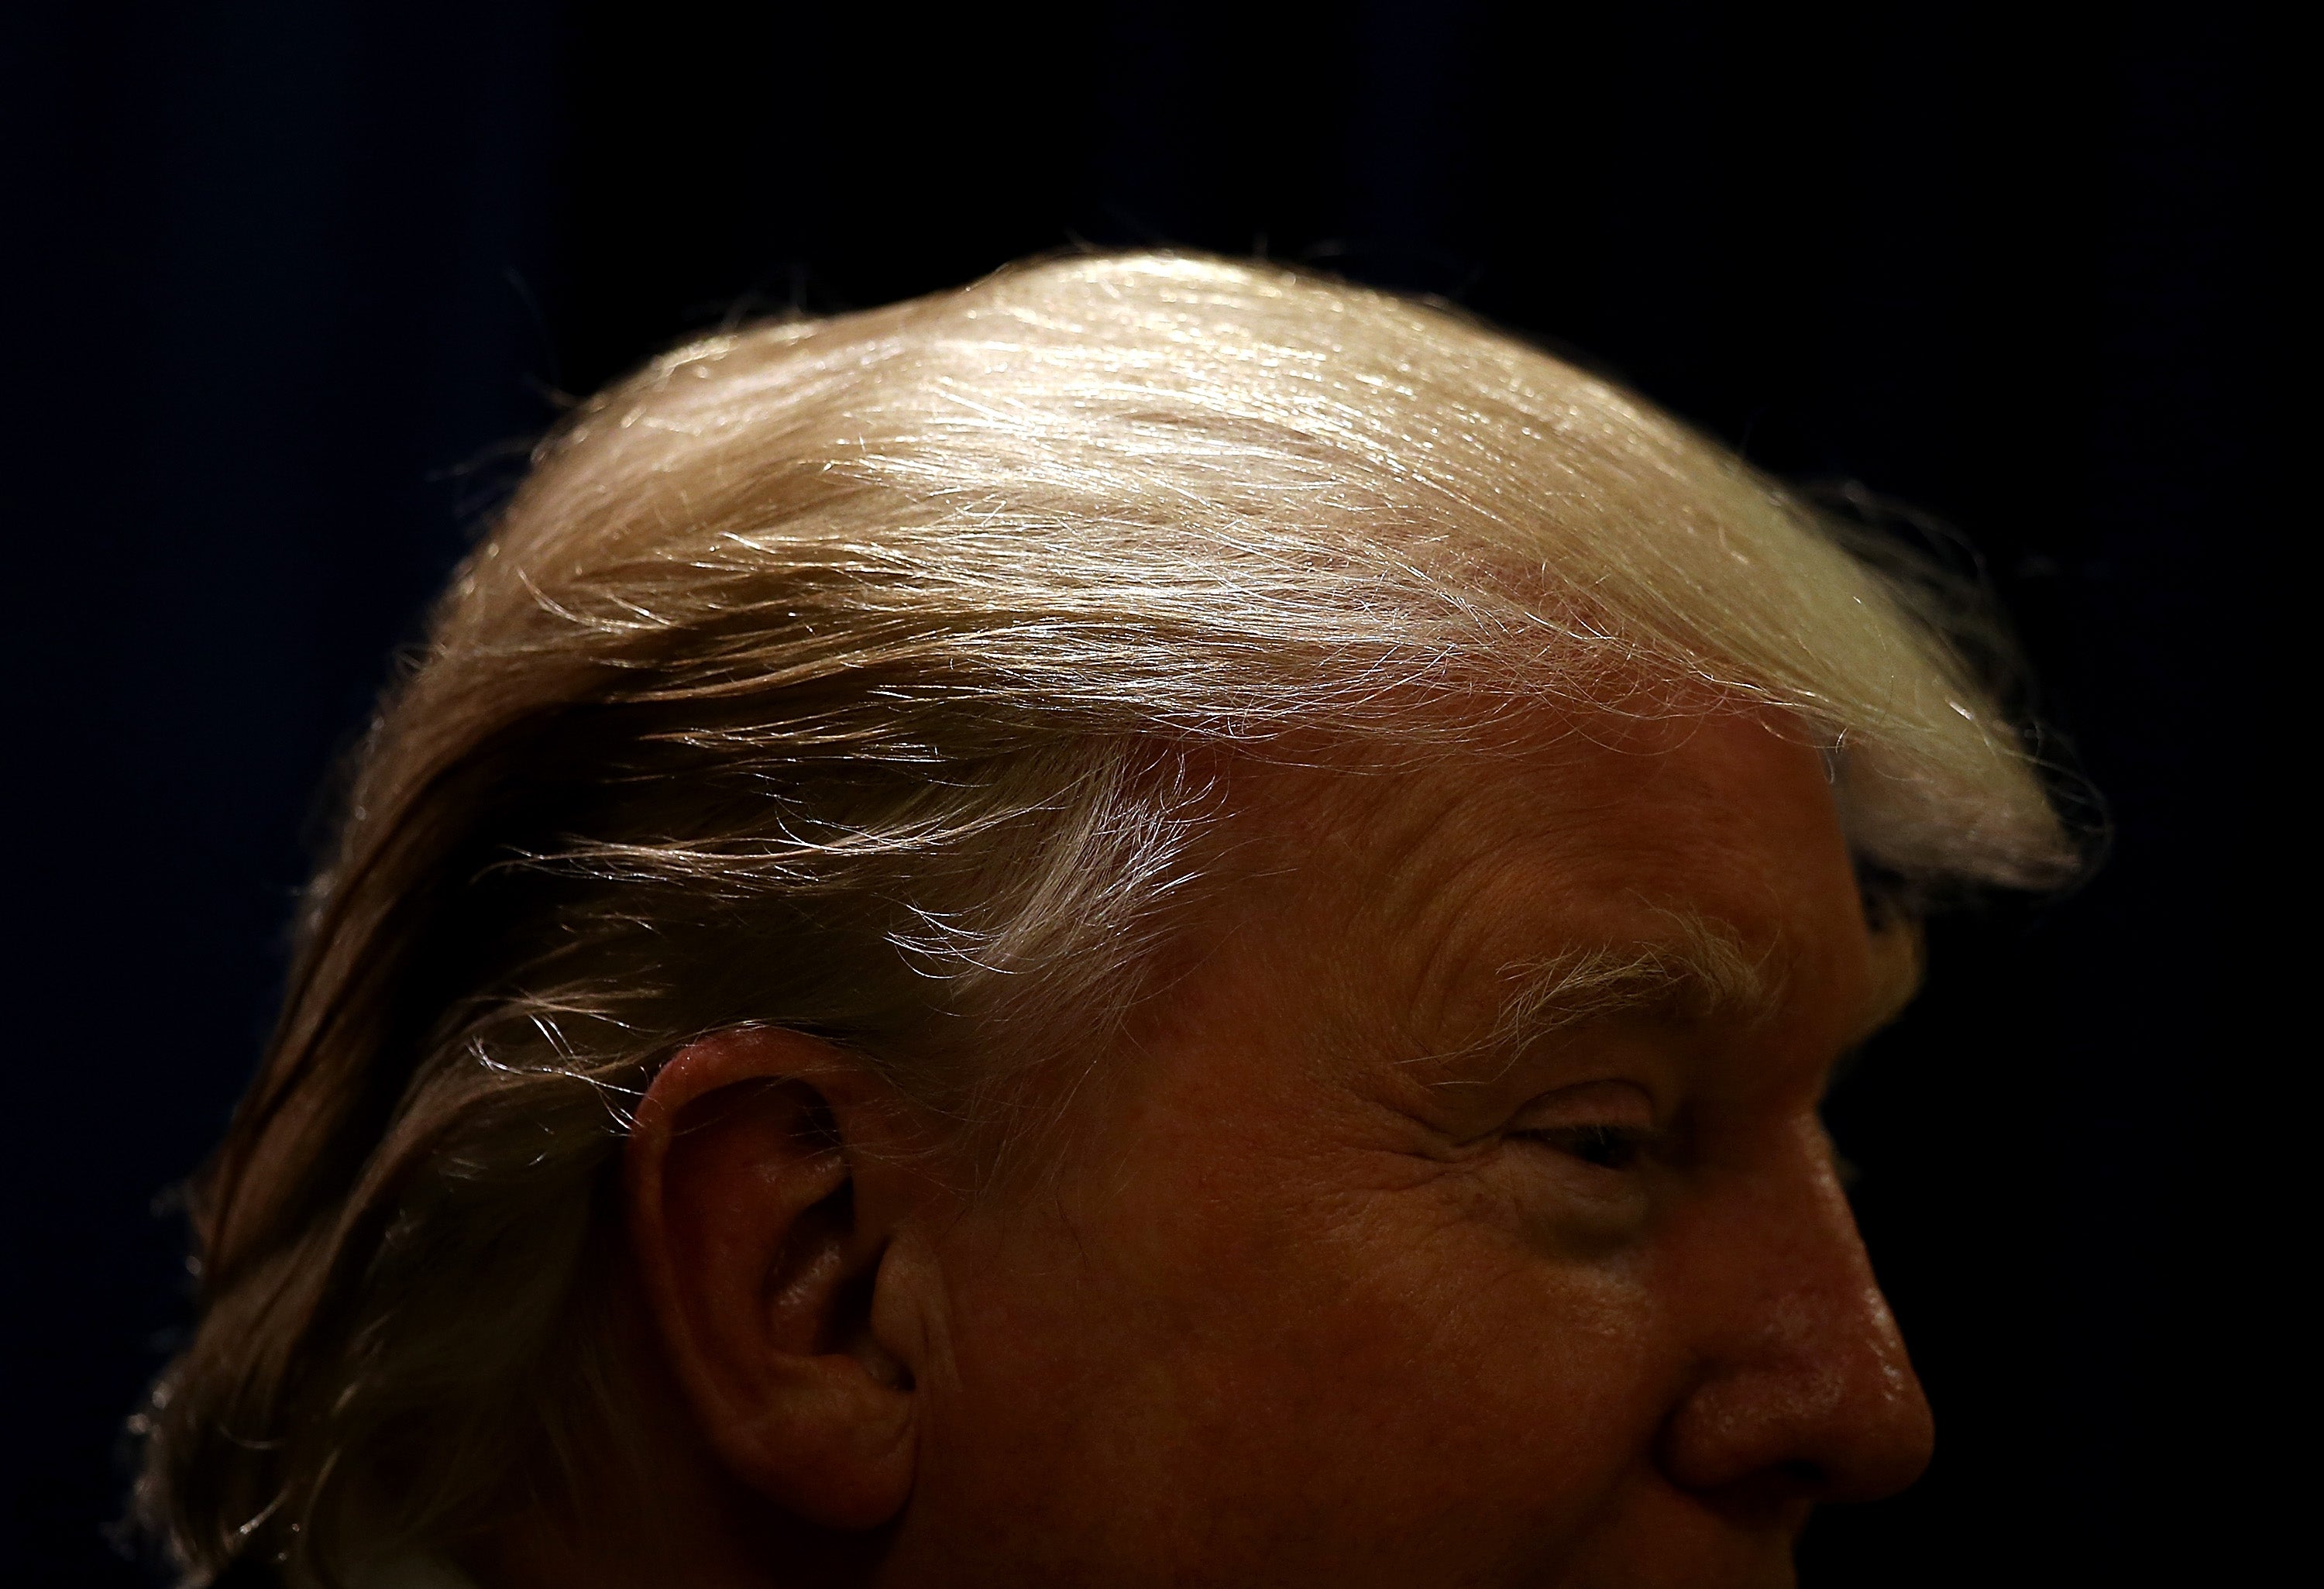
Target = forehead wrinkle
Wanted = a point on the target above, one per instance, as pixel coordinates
(1452, 870)
(1455, 926)
(1455, 867)
(1439, 893)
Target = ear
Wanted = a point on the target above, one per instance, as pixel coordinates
(761, 1271)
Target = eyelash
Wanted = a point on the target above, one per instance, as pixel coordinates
(1609, 1147)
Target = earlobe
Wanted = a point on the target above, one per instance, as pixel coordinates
(762, 1273)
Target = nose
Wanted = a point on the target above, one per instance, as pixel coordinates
(1804, 1390)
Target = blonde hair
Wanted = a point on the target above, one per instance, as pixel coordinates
(849, 674)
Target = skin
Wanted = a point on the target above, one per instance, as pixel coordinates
(1347, 1276)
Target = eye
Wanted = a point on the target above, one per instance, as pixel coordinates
(1609, 1147)
(1609, 1126)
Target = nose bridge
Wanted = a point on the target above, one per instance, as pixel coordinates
(1840, 1312)
(1805, 1371)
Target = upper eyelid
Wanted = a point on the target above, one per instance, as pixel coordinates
(1644, 1094)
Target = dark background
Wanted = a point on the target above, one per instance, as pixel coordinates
(290, 286)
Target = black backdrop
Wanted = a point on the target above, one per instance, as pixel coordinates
(292, 283)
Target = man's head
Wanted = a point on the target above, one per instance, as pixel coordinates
(1155, 921)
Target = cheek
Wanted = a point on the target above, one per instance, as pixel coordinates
(1232, 1367)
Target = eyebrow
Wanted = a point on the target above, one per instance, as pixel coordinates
(1698, 971)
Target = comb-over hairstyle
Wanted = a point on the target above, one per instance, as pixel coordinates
(860, 675)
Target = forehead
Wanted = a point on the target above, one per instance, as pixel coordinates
(1441, 878)
(1724, 801)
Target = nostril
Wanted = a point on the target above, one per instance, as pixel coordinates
(1810, 1477)
(1779, 1496)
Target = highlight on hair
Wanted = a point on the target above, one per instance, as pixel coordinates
(855, 675)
